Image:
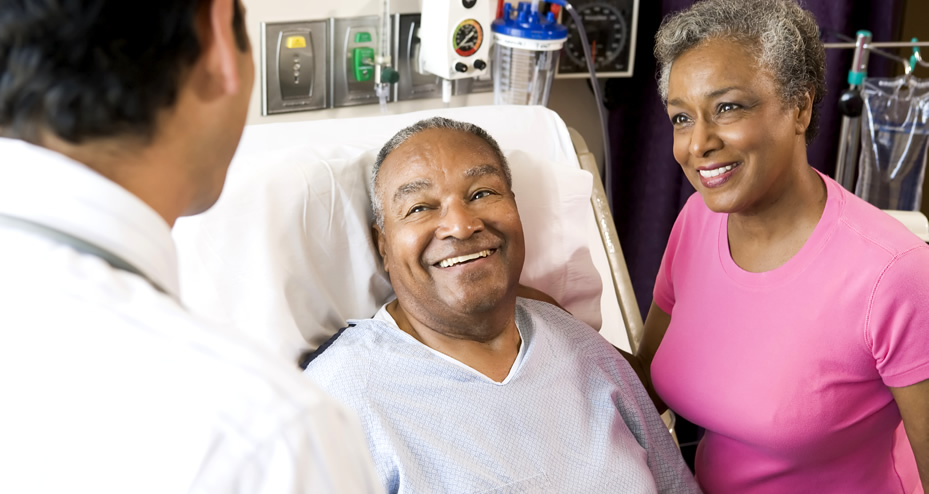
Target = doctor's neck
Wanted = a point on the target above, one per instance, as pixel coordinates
(147, 168)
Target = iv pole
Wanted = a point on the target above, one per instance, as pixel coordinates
(850, 132)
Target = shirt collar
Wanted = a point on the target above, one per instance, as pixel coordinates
(45, 187)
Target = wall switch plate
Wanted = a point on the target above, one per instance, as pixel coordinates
(413, 84)
(354, 45)
(294, 75)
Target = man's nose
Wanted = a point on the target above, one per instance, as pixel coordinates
(704, 139)
(459, 221)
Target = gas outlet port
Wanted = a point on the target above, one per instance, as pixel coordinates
(294, 69)
(413, 83)
(354, 41)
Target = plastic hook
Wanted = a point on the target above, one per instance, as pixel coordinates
(916, 57)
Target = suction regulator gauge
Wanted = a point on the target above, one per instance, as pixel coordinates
(607, 33)
(610, 27)
(468, 37)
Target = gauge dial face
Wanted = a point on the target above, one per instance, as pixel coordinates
(467, 38)
(606, 32)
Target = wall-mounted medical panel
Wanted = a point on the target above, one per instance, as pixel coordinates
(294, 61)
(413, 84)
(354, 43)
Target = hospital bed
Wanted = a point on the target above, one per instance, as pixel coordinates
(287, 254)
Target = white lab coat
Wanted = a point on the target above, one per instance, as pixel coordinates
(110, 386)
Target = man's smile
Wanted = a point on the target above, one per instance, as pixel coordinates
(453, 261)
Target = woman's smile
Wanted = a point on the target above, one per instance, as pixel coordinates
(716, 176)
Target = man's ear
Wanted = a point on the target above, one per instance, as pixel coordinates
(219, 61)
(804, 112)
(381, 242)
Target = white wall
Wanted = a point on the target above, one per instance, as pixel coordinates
(570, 97)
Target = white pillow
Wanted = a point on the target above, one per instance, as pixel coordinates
(554, 202)
(287, 253)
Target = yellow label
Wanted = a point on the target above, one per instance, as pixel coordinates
(295, 42)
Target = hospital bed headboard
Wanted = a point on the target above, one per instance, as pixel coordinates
(287, 255)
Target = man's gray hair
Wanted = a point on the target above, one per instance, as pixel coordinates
(405, 134)
(784, 35)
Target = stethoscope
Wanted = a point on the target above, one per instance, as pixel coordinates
(77, 244)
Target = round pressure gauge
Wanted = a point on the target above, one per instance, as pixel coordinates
(467, 37)
(606, 31)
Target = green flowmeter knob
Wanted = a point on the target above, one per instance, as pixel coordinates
(389, 75)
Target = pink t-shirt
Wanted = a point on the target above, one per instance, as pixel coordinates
(788, 370)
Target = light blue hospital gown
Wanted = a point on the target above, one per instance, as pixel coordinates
(571, 418)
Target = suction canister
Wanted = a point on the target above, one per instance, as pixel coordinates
(526, 48)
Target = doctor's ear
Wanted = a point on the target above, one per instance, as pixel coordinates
(381, 241)
(222, 40)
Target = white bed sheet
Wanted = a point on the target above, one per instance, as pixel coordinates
(287, 254)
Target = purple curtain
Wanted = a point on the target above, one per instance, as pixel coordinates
(648, 186)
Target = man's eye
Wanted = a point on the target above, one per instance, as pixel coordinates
(416, 209)
(481, 194)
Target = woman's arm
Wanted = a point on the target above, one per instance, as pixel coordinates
(656, 324)
(913, 402)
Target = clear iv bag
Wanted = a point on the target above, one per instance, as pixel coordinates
(894, 142)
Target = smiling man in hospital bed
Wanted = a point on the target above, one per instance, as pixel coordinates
(461, 385)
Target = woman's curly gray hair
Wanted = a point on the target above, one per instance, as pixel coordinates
(784, 34)
(405, 134)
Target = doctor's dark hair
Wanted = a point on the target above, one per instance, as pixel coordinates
(783, 34)
(429, 123)
(86, 69)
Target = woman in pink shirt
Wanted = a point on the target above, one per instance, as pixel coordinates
(790, 318)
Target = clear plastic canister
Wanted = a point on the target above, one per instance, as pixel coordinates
(526, 48)
(523, 76)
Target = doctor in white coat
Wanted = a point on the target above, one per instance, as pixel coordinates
(117, 118)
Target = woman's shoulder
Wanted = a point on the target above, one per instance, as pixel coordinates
(874, 228)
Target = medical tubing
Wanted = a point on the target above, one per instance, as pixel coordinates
(383, 60)
(446, 92)
(604, 129)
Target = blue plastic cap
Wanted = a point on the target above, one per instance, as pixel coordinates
(527, 24)
(855, 78)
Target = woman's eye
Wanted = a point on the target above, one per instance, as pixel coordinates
(679, 119)
(725, 107)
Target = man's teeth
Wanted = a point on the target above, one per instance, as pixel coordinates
(716, 171)
(451, 261)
